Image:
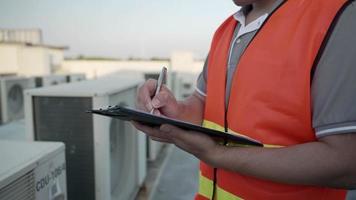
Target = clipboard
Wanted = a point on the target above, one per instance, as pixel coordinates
(129, 114)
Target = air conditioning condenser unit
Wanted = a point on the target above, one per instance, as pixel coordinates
(50, 80)
(32, 171)
(183, 84)
(12, 99)
(75, 77)
(106, 157)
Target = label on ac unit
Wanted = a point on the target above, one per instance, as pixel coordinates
(50, 179)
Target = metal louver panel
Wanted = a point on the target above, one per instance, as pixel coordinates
(64, 119)
(22, 188)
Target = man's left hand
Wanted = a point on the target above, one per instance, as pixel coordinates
(198, 144)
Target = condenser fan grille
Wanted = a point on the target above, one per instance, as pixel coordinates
(15, 98)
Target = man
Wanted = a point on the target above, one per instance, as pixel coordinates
(283, 73)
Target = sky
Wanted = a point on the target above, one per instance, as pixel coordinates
(121, 28)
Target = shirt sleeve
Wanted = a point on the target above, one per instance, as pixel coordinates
(201, 81)
(334, 84)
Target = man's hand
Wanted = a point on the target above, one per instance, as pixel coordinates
(190, 110)
(164, 102)
(198, 144)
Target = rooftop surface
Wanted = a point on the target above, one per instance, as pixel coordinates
(175, 178)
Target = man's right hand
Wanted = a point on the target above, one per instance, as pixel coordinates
(164, 102)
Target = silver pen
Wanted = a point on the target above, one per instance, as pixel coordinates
(161, 79)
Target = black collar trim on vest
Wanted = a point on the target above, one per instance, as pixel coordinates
(327, 37)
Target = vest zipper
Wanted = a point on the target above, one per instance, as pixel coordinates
(215, 169)
(214, 184)
(225, 143)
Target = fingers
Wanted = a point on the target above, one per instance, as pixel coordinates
(157, 112)
(163, 98)
(161, 140)
(192, 142)
(151, 85)
(153, 133)
(148, 132)
(142, 127)
(144, 93)
(164, 102)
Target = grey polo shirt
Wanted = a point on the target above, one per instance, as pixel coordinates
(333, 89)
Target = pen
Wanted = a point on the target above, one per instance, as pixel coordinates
(161, 79)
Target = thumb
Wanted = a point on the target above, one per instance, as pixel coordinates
(163, 98)
(166, 103)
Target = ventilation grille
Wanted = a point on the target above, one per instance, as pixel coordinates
(64, 119)
(22, 188)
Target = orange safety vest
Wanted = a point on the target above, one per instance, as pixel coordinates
(270, 97)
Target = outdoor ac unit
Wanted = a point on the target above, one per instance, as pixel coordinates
(75, 77)
(183, 84)
(32, 171)
(106, 157)
(49, 80)
(12, 99)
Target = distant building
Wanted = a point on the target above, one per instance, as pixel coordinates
(183, 61)
(31, 36)
(183, 70)
(95, 68)
(23, 53)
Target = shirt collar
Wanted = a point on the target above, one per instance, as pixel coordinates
(256, 24)
(240, 15)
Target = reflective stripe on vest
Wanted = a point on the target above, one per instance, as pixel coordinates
(206, 190)
(206, 186)
(212, 125)
(270, 95)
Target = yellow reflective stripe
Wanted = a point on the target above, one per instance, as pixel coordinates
(215, 126)
(231, 144)
(224, 195)
(212, 125)
(206, 190)
(205, 187)
(272, 146)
